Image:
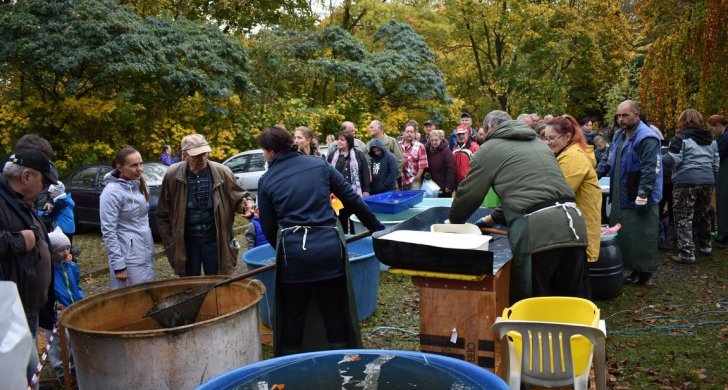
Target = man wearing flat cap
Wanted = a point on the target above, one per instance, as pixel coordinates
(428, 126)
(25, 257)
(197, 205)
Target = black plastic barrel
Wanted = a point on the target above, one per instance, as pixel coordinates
(605, 274)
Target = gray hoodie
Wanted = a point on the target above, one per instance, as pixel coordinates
(125, 224)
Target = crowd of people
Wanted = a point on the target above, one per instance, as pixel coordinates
(546, 172)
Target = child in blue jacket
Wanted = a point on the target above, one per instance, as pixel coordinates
(67, 278)
(254, 234)
(62, 210)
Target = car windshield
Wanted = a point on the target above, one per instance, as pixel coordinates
(154, 173)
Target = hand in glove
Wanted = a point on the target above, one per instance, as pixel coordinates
(485, 222)
(640, 206)
(380, 227)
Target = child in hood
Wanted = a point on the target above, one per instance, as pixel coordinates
(67, 278)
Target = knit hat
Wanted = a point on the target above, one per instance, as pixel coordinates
(58, 239)
(57, 189)
(461, 129)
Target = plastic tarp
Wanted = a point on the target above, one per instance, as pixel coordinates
(16, 342)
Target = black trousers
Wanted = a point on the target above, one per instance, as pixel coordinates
(561, 272)
(346, 223)
(294, 298)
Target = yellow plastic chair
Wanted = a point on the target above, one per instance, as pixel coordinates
(550, 341)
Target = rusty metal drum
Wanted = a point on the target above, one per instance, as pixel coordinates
(114, 347)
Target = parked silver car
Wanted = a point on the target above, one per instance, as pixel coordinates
(248, 167)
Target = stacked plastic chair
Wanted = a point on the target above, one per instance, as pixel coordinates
(551, 341)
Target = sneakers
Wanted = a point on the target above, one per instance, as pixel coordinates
(683, 260)
(706, 251)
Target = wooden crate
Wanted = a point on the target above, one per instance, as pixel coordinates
(456, 316)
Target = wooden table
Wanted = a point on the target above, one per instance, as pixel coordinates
(457, 310)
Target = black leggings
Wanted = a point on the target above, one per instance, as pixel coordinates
(332, 304)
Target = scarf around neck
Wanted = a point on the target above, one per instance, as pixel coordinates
(353, 169)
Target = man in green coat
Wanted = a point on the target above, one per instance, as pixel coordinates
(545, 228)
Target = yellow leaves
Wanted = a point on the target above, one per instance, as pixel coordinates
(90, 107)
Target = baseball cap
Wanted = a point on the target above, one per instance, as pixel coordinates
(462, 129)
(35, 159)
(464, 115)
(195, 144)
(429, 122)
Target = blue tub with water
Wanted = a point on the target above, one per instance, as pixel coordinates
(359, 369)
(363, 265)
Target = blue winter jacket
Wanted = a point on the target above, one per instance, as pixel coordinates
(293, 199)
(67, 278)
(62, 213)
(259, 236)
(640, 166)
(694, 158)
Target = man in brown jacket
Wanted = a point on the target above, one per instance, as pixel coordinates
(197, 205)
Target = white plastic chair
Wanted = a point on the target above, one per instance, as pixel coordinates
(542, 353)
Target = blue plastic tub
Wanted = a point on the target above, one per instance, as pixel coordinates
(359, 368)
(394, 202)
(363, 265)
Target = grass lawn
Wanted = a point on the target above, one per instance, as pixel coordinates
(670, 334)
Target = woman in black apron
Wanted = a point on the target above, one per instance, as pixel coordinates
(313, 282)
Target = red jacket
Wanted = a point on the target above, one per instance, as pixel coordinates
(462, 155)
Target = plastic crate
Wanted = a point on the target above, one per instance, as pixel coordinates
(394, 202)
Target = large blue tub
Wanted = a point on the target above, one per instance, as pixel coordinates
(364, 268)
(359, 369)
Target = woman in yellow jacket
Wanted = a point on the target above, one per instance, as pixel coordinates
(564, 137)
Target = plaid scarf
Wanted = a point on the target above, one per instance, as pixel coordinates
(353, 169)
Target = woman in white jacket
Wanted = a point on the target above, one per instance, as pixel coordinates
(125, 222)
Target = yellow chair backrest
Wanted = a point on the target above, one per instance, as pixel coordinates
(558, 309)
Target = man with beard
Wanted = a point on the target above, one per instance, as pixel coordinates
(414, 155)
(636, 190)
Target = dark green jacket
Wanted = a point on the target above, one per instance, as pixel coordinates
(525, 175)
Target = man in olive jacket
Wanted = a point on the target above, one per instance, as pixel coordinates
(545, 228)
(197, 205)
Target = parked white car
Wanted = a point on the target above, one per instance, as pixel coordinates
(248, 167)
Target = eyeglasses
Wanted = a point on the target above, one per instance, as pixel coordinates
(550, 139)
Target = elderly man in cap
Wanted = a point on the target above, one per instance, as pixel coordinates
(428, 126)
(197, 205)
(25, 256)
(465, 121)
(462, 152)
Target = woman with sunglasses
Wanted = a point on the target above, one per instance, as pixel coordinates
(564, 137)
